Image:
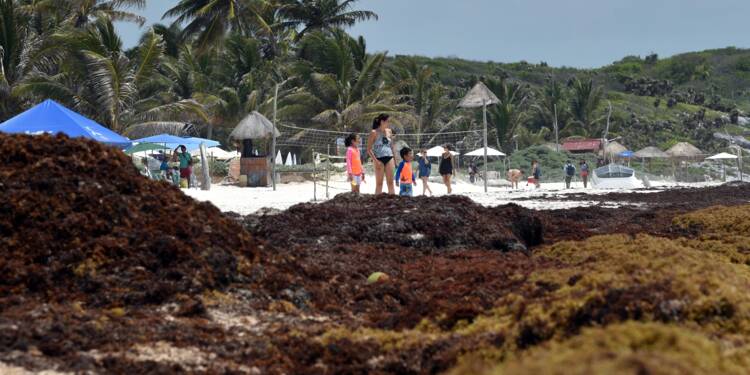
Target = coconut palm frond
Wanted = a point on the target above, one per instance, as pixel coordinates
(148, 129)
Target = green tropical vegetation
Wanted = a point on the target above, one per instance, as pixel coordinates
(218, 60)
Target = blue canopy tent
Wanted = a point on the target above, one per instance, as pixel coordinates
(173, 141)
(51, 117)
(209, 142)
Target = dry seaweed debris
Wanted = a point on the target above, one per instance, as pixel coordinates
(630, 348)
(78, 223)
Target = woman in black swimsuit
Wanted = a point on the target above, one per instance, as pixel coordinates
(446, 167)
(380, 149)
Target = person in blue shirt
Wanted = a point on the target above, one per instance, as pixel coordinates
(570, 172)
(425, 168)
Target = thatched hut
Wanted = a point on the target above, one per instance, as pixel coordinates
(684, 150)
(650, 153)
(614, 148)
(254, 171)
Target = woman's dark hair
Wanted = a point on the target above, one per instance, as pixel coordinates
(378, 120)
(350, 139)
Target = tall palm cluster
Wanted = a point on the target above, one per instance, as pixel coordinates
(219, 60)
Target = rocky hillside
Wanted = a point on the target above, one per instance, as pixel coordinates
(656, 101)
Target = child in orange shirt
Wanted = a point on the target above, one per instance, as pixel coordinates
(355, 173)
(405, 177)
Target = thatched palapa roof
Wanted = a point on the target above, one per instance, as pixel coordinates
(684, 150)
(614, 148)
(650, 153)
(479, 96)
(254, 126)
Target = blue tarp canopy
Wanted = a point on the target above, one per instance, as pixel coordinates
(209, 142)
(51, 117)
(626, 154)
(173, 141)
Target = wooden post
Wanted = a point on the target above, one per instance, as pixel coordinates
(328, 168)
(273, 138)
(206, 183)
(315, 177)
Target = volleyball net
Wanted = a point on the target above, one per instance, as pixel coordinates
(329, 142)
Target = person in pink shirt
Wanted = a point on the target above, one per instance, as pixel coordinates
(354, 171)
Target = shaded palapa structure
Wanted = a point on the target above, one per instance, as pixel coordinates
(651, 152)
(254, 170)
(480, 96)
(684, 150)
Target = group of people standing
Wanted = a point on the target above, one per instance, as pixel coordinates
(176, 168)
(535, 179)
(381, 149)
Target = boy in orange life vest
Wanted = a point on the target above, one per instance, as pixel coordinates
(354, 171)
(405, 177)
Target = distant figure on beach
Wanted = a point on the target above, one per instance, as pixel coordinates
(514, 176)
(380, 149)
(425, 168)
(584, 173)
(405, 177)
(473, 172)
(164, 166)
(536, 173)
(186, 163)
(570, 172)
(446, 167)
(354, 171)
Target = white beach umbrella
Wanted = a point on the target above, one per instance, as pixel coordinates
(722, 156)
(490, 152)
(289, 159)
(294, 159)
(438, 151)
(279, 160)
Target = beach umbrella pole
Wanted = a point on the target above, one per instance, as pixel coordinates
(484, 118)
(273, 137)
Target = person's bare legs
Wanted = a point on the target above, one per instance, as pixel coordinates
(447, 182)
(389, 169)
(426, 186)
(379, 172)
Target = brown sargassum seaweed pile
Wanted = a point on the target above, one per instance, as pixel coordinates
(104, 271)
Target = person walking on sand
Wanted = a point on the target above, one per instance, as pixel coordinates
(570, 172)
(380, 149)
(446, 167)
(425, 168)
(405, 177)
(584, 173)
(186, 163)
(536, 171)
(354, 171)
(514, 176)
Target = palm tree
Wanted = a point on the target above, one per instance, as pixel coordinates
(98, 79)
(512, 111)
(419, 86)
(552, 101)
(18, 43)
(83, 12)
(209, 20)
(585, 100)
(341, 95)
(310, 15)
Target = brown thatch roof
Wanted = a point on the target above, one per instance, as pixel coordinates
(614, 148)
(254, 126)
(650, 153)
(684, 150)
(479, 96)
